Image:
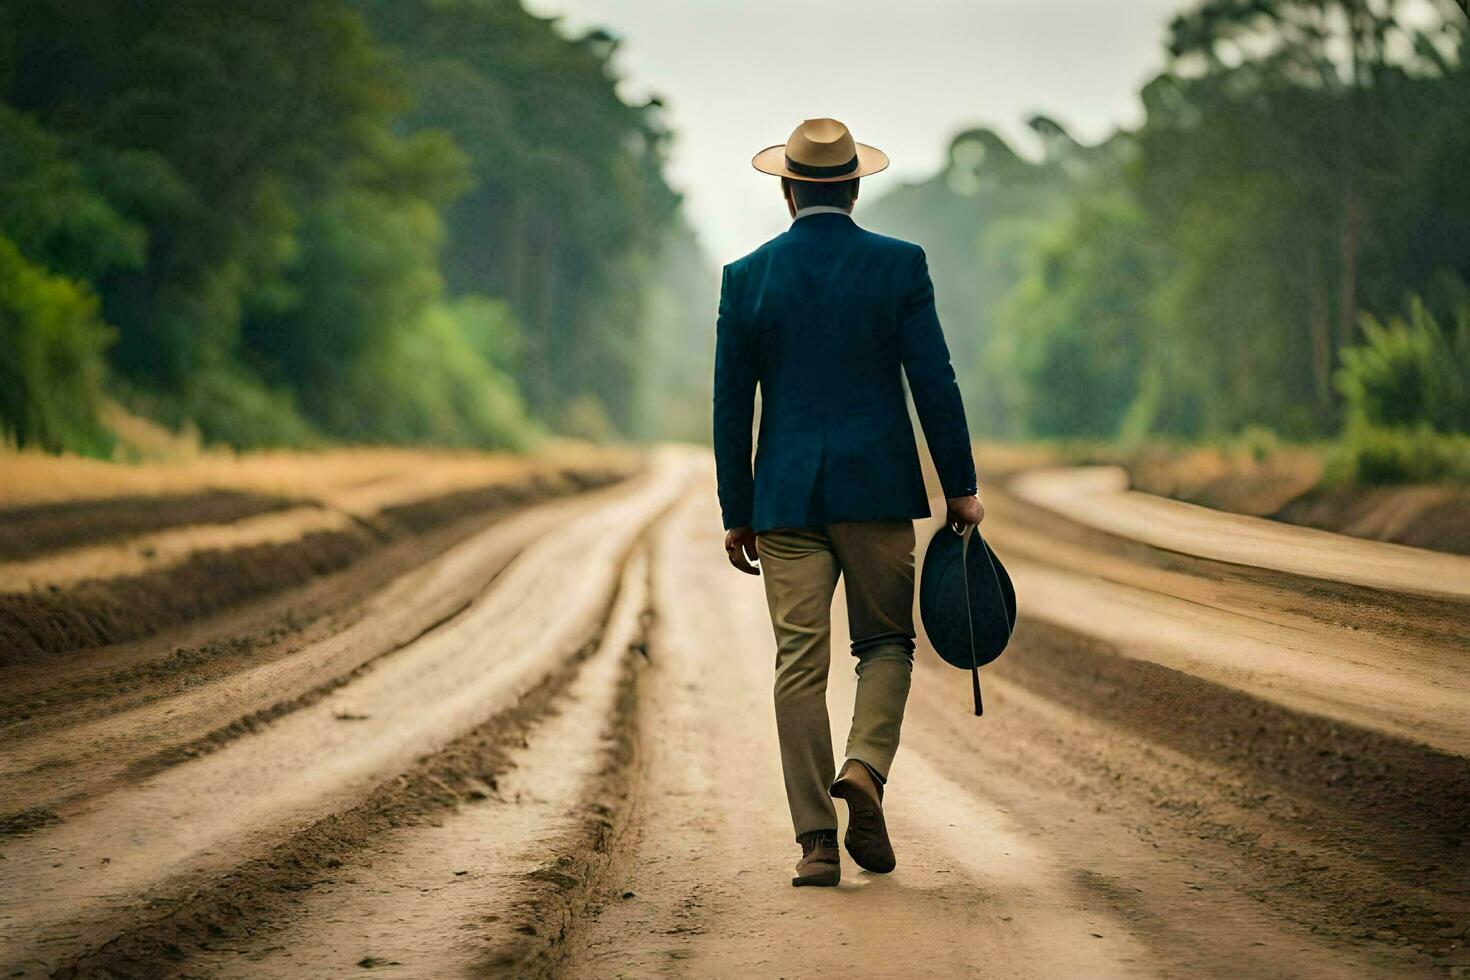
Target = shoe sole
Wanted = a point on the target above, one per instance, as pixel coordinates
(861, 806)
(822, 879)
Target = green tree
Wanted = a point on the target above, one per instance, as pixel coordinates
(53, 208)
(233, 111)
(1078, 321)
(1301, 162)
(1282, 147)
(975, 219)
(569, 204)
(342, 218)
(359, 325)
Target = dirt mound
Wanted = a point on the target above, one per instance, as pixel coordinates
(98, 613)
(1409, 793)
(29, 531)
(1389, 808)
(1434, 517)
(101, 613)
(1242, 483)
(1285, 485)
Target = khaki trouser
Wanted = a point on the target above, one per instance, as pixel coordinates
(800, 567)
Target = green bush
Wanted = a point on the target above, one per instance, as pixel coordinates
(1407, 393)
(1256, 442)
(1408, 373)
(230, 407)
(223, 406)
(427, 384)
(51, 359)
(585, 417)
(1373, 454)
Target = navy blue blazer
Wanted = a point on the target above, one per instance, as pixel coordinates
(827, 319)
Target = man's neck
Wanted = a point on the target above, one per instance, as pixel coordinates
(818, 209)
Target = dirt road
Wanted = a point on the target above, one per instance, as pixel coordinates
(548, 749)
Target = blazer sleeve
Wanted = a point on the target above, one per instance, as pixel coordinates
(734, 409)
(932, 383)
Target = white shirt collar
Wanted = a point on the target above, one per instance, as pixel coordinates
(817, 209)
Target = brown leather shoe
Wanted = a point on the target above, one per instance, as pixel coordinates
(820, 863)
(867, 834)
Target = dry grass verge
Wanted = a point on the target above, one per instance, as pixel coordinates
(29, 479)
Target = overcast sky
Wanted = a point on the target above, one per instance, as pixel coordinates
(740, 74)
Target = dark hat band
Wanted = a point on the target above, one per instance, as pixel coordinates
(807, 170)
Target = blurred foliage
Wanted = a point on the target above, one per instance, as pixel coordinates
(229, 405)
(1370, 454)
(306, 220)
(678, 362)
(1406, 388)
(1303, 167)
(568, 204)
(976, 219)
(1076, 319)
(50, 376)
(1408, 371)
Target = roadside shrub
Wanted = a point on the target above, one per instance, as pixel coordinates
(1407, 393)
(224, 406)
(1409, 372)
(428, 384)
(1256, 442)
(51, 359)
(231, 407)
(585, 417)
(1373, 454)
(371, 346)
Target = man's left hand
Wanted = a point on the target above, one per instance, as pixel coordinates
(740, 549)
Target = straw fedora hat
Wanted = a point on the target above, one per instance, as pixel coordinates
(820, 150)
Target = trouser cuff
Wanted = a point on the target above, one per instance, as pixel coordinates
(879, 776)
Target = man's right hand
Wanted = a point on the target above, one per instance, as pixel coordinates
(964, 511)
(740, 549)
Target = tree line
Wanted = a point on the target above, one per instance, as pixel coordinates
(1282, 244)
(290, 221)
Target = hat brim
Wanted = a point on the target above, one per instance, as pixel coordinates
(772, 160)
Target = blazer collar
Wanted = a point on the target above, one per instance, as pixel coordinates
(813, 221)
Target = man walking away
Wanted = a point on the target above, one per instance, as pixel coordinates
(828, 319)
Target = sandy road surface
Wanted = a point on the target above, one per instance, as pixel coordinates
(1185, 768)
(1017, 857)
